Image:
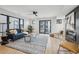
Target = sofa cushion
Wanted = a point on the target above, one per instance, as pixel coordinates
(19, 34)
(13, 31)
(18, 30)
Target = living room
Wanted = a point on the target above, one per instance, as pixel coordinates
(34, 29)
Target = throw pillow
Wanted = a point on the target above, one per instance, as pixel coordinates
(15, 31)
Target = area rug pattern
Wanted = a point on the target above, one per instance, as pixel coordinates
(36, 46)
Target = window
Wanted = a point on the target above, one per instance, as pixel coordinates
(3, 25)
(13, 23)
(21, 23)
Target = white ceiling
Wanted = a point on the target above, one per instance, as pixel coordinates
(43, 10)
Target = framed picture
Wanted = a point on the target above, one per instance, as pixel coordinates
(59, 21)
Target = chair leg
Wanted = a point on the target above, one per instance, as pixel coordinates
(58, 49)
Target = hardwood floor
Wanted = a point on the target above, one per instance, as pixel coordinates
(6, 50)
(52, 46)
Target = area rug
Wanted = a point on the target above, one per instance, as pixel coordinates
(37, 45)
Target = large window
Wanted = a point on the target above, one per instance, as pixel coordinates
(10, 23)
(13, 23)
(3, 25)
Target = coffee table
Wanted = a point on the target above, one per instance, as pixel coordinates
(26, 39)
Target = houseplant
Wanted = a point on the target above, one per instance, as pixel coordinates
(30, 29)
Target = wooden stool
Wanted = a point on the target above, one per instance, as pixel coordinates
(69, 46)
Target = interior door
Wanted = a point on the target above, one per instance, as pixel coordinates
(44, 26)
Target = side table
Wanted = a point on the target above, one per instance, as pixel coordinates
(4, 40)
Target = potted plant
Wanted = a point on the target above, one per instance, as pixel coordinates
(30, 29)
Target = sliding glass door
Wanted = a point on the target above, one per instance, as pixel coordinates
(44, 26)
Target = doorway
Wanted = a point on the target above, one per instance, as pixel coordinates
(44, 26)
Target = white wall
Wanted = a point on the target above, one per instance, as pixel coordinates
(58, 27)
(26, 23)
(54, 26)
